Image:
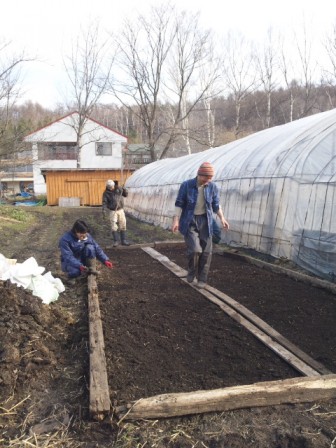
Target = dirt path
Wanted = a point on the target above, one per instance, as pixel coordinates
(161, 336)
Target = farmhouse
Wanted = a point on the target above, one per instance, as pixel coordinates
(73, 157)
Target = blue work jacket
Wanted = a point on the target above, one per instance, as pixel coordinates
(187, 198)
(73, 251)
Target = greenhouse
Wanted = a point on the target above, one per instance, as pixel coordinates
(277, 190)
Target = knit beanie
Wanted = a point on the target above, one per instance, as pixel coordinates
(206, 169)
(110, 183)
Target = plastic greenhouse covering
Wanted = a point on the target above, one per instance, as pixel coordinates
(277, 190)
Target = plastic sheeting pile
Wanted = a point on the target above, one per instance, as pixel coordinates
(28, 275)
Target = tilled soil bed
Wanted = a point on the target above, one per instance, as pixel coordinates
(164, 330)
(161, 336)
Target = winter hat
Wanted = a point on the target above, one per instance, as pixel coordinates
(206, 169)
(110, 183)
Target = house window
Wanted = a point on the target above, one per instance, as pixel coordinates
(57, 151)
(104, 148)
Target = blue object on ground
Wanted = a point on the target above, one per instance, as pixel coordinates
(27, 203)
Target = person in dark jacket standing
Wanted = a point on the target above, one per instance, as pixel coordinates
(78, 250)
(113, 204)
(196, 202)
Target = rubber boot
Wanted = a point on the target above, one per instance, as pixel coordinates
(192, 266)
(203, 269)
(115, 239)
(124, 242)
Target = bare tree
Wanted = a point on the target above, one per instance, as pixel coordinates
(12, 150)
(267, 64)
(10, 77)
(88, 69)
(239, 74)
(161, 58)
(192, 74)
(329, 73)
(143, 46)
(288, 72)
(307, 68)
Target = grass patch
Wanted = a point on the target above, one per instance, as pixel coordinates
(14, 217)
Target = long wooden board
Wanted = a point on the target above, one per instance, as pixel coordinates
(270, 393)
(248, 314)
(290, 357)
(296, 275)
(269, 330)
(99, 390)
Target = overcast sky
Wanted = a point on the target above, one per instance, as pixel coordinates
(45, 28)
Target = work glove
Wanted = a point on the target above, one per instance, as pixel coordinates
(108, 264)
(83, 269)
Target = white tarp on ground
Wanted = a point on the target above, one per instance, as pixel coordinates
(277, 191)
(28, 275)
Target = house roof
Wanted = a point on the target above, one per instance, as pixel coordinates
(138, 147)
(67, 116)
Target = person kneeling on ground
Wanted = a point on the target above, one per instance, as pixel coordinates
(78, 250)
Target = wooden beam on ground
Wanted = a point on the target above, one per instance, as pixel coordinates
(305, 278)
(276, 347)
(99, 390)
(269, 330)
(270, 393)
(155, 244)
(291, 358)
(318, 367)
(173, 267)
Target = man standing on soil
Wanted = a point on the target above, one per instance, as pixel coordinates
(113, 204)
(196, 202)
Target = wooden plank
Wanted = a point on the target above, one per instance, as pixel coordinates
(269, 330)
(169, 243)
(99, 390)
(173, 267)
(305, 278)
(270, 393)
(144, 245)
(250, 316)
(277, 348)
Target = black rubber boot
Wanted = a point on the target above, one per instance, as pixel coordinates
(192, 266)
(115, 239)
(124, 242)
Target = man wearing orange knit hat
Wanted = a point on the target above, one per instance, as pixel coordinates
(197, 200)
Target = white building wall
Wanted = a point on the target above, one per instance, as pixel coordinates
(64, 131)
(89, 159)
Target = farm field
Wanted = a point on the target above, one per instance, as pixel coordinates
(161, 336)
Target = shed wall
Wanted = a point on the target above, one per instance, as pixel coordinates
(86, 185)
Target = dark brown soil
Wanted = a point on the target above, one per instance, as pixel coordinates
(161, 336)
(173, 335)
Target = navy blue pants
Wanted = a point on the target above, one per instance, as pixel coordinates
(74, 271)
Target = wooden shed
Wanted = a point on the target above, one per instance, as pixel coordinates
(87, 185)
